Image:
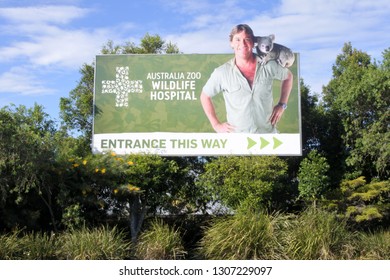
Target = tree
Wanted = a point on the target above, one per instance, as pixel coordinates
(313, 177)
(359, 95)
(28, 179)
(310, 117)
(77, 110)
(132, 187)
(321, 131)
(245, 180)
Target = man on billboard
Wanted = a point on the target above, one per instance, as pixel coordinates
(246, 84)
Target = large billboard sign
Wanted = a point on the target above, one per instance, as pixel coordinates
(151, 104)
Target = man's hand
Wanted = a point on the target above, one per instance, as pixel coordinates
(223, 128)
(276, 115)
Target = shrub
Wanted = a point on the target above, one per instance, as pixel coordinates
(246, 235)
(160, 242)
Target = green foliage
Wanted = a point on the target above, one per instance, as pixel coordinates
(27, 166)
(244, 236)
(72, 217)
(313, 234)
(359, 94)
(245, 180)
(365, 203)
(160, 242)
(313, 176)
(129, 187)
(76, 111)
(150, 44)
(317, 234)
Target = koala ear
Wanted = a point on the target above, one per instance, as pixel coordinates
(272, 36)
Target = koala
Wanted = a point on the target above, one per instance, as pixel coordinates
(268, 50)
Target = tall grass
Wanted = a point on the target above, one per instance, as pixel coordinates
(160, 242)
(317, 234)
(94, 244)
(28, 246)
(82, 244)
(246, 235)
(374, 246)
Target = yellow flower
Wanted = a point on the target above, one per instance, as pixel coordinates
(76, 165)
(175, 202)
(96, 170)
(133, 188)
(84, 162)
(113, 154)
(130, 163)
(103, 171)
(116, 191)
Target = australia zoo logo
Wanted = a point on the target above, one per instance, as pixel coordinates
(122, 86)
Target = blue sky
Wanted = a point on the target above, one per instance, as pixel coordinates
(43, 43)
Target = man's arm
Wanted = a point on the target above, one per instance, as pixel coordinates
(284, 95)
(209, 110)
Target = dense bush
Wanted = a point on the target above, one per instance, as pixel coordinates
(311, 235)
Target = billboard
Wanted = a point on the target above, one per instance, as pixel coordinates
(151, 104)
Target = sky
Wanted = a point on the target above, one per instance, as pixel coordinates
(44, 43)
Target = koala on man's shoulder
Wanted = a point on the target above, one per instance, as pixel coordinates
(268, 50)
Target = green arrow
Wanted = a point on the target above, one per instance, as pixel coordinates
(277, 143)
(251, 143)
(263, 143)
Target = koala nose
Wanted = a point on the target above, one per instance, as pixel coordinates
(267, 48)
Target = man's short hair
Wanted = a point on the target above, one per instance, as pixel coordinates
(239, 28)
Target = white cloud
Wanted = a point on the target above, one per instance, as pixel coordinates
(45, 40)
(42, 40)
(205, 14)
(55, 46)
(47, 14)
(22, 80)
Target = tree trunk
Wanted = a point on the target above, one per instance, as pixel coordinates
(137, 216)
